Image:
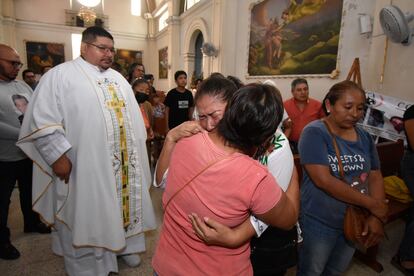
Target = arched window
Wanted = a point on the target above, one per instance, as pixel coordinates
(198, 62)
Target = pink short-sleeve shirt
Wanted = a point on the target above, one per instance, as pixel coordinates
(229, 191)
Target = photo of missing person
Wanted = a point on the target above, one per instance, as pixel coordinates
(376, 118)
(397, 123)
(20, 102)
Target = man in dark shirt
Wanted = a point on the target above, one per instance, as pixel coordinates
(179, 102)
(29, 78)
(404, 260)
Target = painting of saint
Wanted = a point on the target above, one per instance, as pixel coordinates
(294, 37)
(124, 58)
(44, 54)
(163, 63)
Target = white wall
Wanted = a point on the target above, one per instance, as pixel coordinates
(399, 68)
(121, 20)
(45, 11)
(352, 45)
(53, 12)
(233, 37)
(166, 38)
(227, 24)
(44, 21)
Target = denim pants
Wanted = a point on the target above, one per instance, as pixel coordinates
(324, 251)
(406, 250)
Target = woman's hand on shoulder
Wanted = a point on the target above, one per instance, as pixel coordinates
(212, 232)
(186, 129)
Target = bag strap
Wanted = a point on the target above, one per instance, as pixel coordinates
(335, 144)
(196, 175)
(341, 169)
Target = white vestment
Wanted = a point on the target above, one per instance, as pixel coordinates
(100, 118)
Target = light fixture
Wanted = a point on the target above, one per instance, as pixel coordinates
(89, 3)
(87, 14)
(365, 24)
(136, 7)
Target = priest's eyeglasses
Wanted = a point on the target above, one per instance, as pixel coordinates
(104, 49)
(15, 64)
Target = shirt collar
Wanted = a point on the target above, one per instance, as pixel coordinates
(296, 102)
(97, 68)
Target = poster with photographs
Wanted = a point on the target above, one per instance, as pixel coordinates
(163, 63)
(124, 58)
(384, 116)
(294, 37)
(44, 54)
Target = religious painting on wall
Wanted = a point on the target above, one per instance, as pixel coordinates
(163, 63)
(294, 37)
(44, 54)
(125, 58)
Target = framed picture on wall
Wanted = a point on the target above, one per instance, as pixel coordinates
(289, 38)
(44, 54)
(127, 57)
(163, 63)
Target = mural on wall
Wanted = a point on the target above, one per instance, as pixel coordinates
(44, 54)
(294, 37)
(125, 58)
(163, 63)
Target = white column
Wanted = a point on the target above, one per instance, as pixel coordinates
(189, 59)
(174, 47)
(1, 22)
(8, 22)
(216, 35)
(207, 65)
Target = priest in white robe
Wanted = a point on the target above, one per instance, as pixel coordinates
(85, 133)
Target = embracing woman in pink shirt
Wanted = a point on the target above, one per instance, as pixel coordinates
(212, 174)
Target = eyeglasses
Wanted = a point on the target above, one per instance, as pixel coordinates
(15, 64)
(104, 49)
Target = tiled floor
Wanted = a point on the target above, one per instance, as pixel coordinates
(37, 258)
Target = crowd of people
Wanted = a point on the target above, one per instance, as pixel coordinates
(85, 144)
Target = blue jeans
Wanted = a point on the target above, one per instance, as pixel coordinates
(406, 250)
(324, 251)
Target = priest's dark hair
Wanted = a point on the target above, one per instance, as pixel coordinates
(89, 35)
